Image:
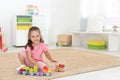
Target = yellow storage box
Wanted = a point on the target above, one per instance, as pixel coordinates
(96, 44)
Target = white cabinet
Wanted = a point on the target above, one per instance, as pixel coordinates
(21, 25)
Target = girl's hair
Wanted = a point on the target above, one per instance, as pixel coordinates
(29, 42)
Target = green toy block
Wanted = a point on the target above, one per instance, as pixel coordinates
(35, 68)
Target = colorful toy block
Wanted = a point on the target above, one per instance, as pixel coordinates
(41, 73)
(35, 71)
(48, 74)
(24, 72)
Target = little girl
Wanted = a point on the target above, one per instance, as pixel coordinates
(34, 49)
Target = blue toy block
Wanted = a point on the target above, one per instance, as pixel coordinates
(31, 73)
(48, 74)
(24, 72)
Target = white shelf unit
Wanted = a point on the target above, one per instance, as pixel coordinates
(79, 39)
(21, 25)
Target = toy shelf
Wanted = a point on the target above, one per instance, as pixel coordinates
(112, 38)
(21, 25)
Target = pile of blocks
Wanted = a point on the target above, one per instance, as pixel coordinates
(64, 40)
(35, 71)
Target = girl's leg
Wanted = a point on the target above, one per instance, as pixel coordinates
(21, 59)
(41, 64)
(21, 55)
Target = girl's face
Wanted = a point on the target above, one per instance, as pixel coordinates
(35, 37)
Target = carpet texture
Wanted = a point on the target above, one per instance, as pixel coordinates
(76, 61)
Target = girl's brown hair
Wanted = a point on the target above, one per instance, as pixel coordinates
(29, 42)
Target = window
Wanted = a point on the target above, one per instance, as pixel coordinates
(112, 13)
(109, 9)
(112, 8)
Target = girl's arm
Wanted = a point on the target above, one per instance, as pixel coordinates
(49, 57)
(29, 56)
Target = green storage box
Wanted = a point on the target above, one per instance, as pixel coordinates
(24, 20)
(101, 47)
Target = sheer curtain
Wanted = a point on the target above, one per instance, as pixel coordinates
(90, 8)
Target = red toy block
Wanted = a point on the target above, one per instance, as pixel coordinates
(61, 65)
(45, 67)
(21, 69)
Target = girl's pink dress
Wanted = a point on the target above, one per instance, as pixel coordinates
(37, 53)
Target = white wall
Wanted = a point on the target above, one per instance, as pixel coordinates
(63, 16)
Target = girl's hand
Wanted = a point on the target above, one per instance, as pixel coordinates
(54, 61)
(35, 64)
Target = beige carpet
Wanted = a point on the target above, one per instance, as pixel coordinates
(76, 61)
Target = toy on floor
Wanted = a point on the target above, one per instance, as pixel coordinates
(35, 71)
(3, 46)
(60, 67)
